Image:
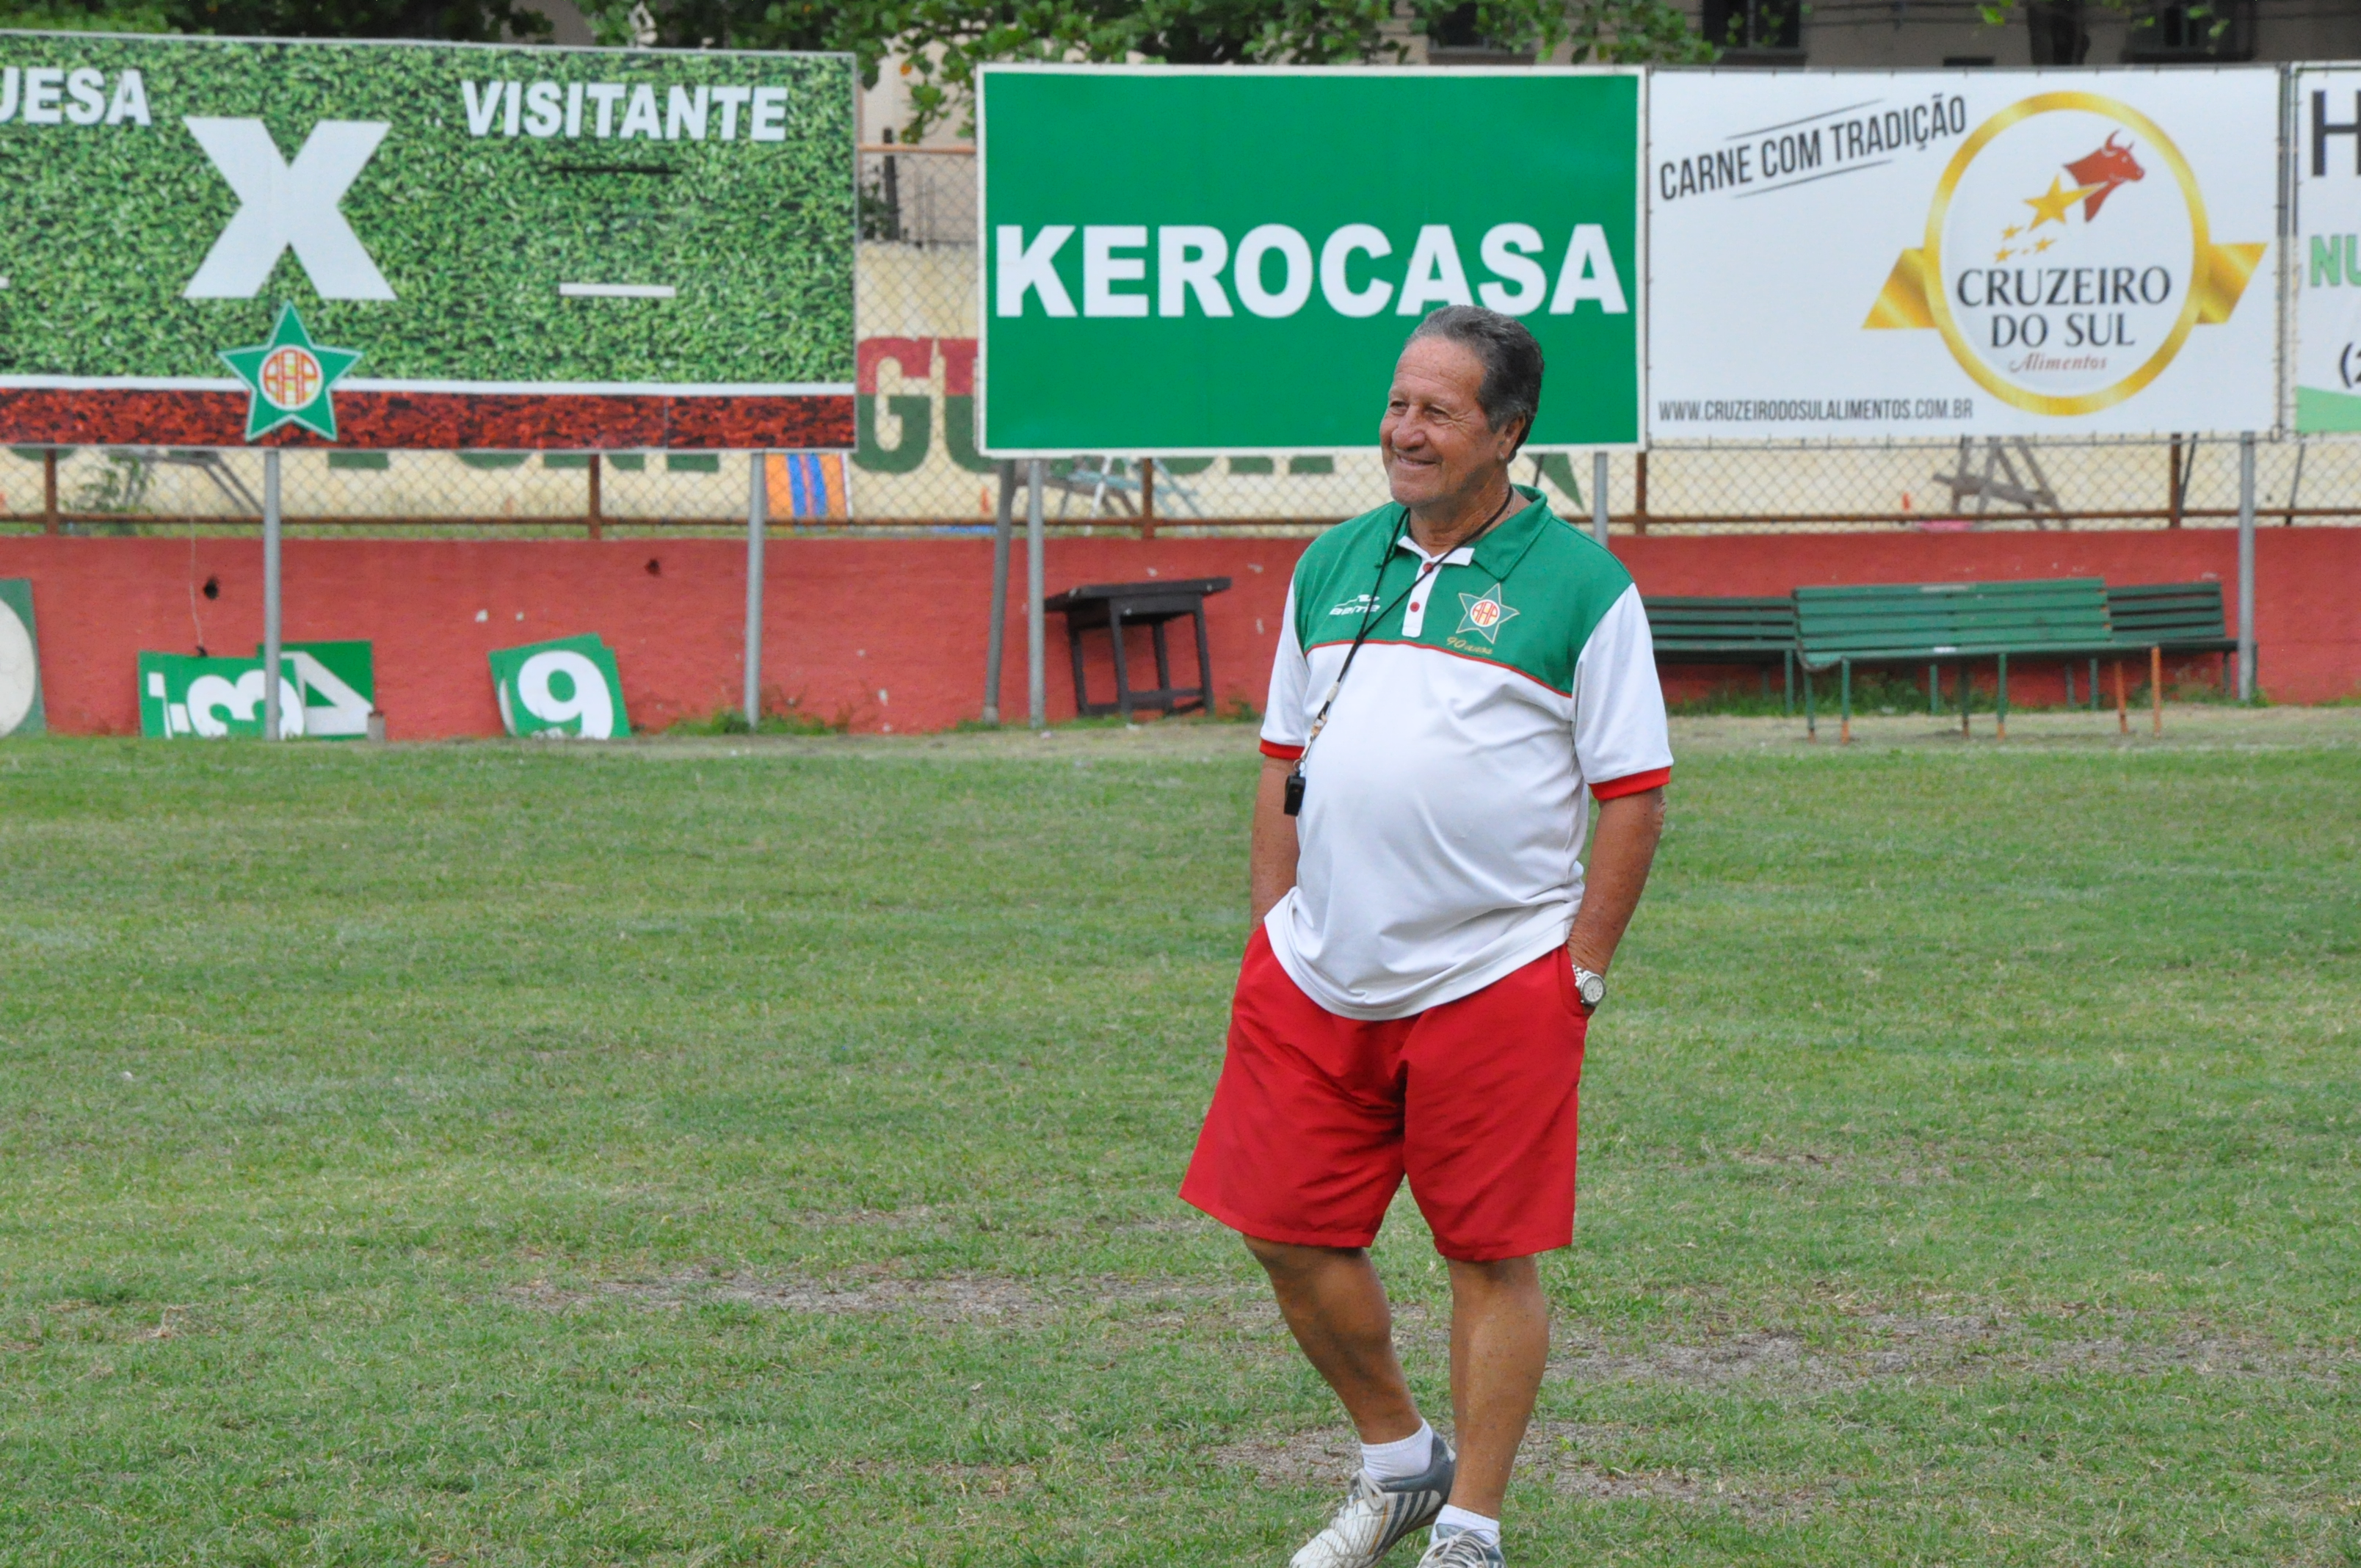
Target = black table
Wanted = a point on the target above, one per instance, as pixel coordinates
(1113, 606)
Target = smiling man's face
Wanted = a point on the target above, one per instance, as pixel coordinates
(1440, 450)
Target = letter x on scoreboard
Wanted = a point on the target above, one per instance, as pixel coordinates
(1187, 261)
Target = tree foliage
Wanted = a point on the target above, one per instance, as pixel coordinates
(458, 21)
(937, 44)
(2066, 36)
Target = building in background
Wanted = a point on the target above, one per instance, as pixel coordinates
(1917, 33)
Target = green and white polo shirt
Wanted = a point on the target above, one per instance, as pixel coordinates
(1445, 800)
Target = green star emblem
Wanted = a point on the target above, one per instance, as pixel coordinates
(289, 378)
(1484, 613)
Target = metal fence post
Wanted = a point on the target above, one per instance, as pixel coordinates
(1599, 497)
(49, 490)
(758, 522)
(270, 593)
(996, 644)
(1037, 692)
(2246, 567)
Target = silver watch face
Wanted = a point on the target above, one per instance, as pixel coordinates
(1592, 987)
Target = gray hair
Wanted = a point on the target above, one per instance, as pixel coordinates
(1512, 389)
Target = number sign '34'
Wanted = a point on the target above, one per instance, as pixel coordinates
(1184, 260)
(326, 690)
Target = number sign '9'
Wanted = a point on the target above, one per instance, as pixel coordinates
(566, 689)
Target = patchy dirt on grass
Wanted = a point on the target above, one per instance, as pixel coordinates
(1933, 1347)
(989, 1480)
(946, 1219)
(917, 1216)
(961, 1298)
(1296, 1459)
(2187, 727)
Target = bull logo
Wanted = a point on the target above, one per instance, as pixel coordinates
(2101, 172)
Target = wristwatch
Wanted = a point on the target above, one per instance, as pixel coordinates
(1591, 986)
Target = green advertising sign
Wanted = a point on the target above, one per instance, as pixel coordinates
(212, 700)
(563, 689)
(1185, 261)
(462, 226)
(20, 661)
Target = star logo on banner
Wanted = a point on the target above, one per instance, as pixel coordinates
(289, 378)
(1484, 613)
(2051, 206)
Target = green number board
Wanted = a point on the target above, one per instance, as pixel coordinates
(20, 660)
(326, 691)
(214, 700)
(564, 689)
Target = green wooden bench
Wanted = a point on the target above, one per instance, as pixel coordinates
(2178, 618)
(1700, 631)
(1953, 623)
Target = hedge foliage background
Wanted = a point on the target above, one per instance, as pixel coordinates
(101, 226)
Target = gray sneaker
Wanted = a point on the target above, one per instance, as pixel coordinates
(1462, 1548)
(1376, 1514)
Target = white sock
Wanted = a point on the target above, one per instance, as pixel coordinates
(1399, 1460)
(1459, 1521)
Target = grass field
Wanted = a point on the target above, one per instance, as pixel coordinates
(721, 1152)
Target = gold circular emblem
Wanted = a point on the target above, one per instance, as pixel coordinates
(2098, 175)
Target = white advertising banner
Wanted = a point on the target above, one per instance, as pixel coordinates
(2327, 261)
(1859, 255)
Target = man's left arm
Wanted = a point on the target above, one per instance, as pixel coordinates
(1622, 851)
(1624, 753)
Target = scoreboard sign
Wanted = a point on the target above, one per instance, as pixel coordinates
(205, 242)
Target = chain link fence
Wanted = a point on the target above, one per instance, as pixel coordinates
(915, 466)
(1952, 487)
(133, 490)
(910, 484)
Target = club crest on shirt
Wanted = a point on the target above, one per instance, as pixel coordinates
(1484, 613)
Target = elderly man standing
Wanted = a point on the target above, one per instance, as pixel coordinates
(1459, 675)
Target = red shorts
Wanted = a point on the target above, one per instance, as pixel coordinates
(1317, 1117)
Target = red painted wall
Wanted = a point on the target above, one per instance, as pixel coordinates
(891, 632)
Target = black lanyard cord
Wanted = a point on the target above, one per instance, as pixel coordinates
(1370, 619)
